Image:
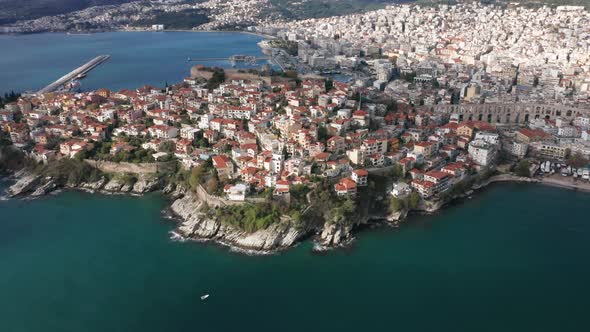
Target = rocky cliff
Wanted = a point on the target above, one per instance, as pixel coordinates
(35, 185)
(25, 183)
(334, 235)
(198, 225)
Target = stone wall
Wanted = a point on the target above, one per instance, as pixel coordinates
(142, 168)
(517, 113)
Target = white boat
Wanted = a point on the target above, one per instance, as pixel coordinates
(203, 297)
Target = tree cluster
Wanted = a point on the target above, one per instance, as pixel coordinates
(216, 79)
(249, 217)
(8, 97)
(577, 160)
(523, 168)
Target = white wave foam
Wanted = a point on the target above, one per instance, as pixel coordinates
(176, 237)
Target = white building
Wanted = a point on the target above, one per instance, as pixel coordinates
(490, 138)
(163, 131)
(567, 131)
(519, 149)
(582, 121)
(276, 165)
(236, 192)
(400, 190)
(482, 152)
(552, 151)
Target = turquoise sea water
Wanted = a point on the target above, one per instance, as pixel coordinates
(514, 258)
(29, 62)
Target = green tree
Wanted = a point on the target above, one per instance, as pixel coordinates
(196, 177)
(216, 79)
(522, 168)
(395, 204)
(212, 185)
(577, 160)
(167, 146)
(323, 134)
(329, 84)
(9, 98)
(397, 172)
(296, 215)
(414, 200)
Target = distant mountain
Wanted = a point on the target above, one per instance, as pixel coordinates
(302, 9)
(14, 10)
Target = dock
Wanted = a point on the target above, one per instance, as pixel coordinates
(74, 74)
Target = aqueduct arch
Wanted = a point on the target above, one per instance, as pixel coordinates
(517, 113)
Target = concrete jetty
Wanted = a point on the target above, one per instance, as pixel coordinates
(82, 70)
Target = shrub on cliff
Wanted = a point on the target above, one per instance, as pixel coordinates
(71, 171)
(11, 158)
(413, 200)
(126, 178)
(197, 176)
(395, 204)
(249, 217)
(343, 211)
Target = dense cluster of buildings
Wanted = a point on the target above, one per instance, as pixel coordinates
(261, 135)
(481, 53)
(221, 14)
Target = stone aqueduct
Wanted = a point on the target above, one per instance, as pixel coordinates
(518, 113)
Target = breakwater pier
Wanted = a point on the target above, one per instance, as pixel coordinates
(74, 74)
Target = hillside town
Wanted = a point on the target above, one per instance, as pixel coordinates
(262, 135)
(416, 121)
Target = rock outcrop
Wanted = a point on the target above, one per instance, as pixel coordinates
(396, 217)
(169, 188)
(93, 186)
(196, 224)
(146, 184)
(25, 183)
(48, 187)
(113, 185)
(335, 234)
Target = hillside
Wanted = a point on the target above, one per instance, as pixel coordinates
(14, 10)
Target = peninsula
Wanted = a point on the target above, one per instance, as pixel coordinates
(353, 129)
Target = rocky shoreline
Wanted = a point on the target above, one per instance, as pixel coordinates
(197, 224)
(195, 220)
(194, 224)
(31, 186)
